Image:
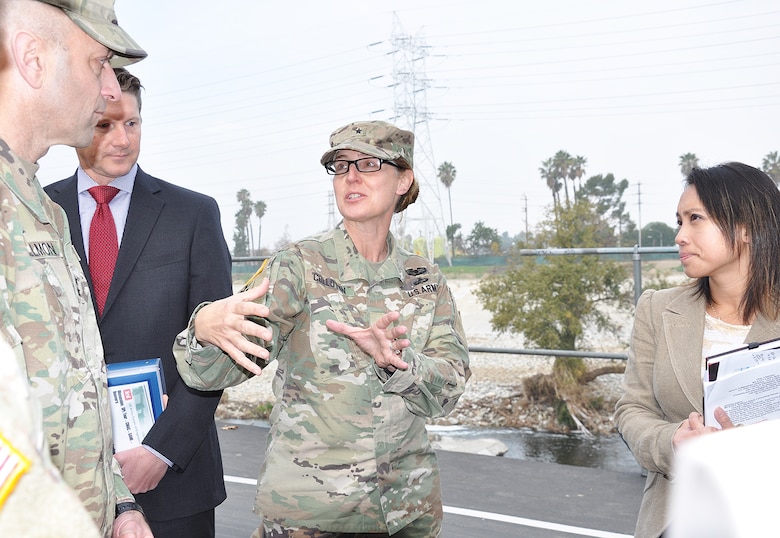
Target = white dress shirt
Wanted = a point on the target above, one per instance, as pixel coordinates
(119, 205)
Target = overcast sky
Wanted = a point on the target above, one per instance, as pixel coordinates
(244, 94)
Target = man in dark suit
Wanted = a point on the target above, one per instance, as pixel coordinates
(171, 257)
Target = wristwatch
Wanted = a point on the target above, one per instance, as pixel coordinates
(121, 508)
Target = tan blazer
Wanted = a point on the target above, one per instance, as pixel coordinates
(662, 386)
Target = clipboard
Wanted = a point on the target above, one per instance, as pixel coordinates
(745, 382)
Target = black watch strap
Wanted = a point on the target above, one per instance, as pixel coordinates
(121, 508)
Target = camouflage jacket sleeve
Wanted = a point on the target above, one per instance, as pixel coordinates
(205, 367)
(439, 368)
(208, 367)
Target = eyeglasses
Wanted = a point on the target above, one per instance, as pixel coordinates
(365, 165)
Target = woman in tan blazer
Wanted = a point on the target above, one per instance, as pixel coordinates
(729, 240)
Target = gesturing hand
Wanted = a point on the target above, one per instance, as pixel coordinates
(224, 323)
(380, 340)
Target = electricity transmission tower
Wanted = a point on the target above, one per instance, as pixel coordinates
(331, 211)
(422, 222)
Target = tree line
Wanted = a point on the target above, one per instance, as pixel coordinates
(563, 174)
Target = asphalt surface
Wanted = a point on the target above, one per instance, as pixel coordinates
(483, 495)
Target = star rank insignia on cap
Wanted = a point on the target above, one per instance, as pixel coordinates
(358, 130)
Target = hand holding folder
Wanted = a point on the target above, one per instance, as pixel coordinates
(745, 382)
(136, 392)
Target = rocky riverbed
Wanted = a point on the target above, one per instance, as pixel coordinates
(494, 395)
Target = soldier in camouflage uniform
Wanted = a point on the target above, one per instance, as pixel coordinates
(45, 309)
(27, 476)
(369, 344)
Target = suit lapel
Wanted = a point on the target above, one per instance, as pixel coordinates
(145, 208)
(683, 323)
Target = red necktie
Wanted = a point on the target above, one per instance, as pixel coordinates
(103, 244)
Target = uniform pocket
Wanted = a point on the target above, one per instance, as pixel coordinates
(334, 354)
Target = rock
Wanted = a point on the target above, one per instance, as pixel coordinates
(484, 447)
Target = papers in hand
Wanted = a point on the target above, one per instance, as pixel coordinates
(745, 382)
(135, 390)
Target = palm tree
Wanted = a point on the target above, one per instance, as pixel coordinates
(577, 170)
(244, 214)
(240, 246)
(688, 162)
(771, 166)
(446, 174)
(548, 174)
(562, 162)
(260, 208)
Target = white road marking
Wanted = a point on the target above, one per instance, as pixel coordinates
(493, 517)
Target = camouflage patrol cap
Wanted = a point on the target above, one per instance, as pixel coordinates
(375, 138)
(98, 19)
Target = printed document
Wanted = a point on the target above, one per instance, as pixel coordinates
(745, 383)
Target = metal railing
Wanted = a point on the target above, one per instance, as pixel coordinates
(635, 252)
(243, 259)
(550, 352)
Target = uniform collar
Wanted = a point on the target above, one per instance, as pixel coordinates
(353, 266)
(22, 181)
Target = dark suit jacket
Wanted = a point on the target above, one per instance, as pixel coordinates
(173, 256)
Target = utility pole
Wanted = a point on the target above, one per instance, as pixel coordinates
(525, 210)
(639, 212)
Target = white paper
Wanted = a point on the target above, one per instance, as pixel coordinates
(131, 414)
(747, 358)
(748, 395)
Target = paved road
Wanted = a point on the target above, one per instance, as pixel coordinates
(483, 495)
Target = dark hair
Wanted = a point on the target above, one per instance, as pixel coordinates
(129, 83)
(742, 199)
(409, 197)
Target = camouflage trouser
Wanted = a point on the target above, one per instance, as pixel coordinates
(426, 526)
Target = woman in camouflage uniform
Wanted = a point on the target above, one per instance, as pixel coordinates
(369, 344)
